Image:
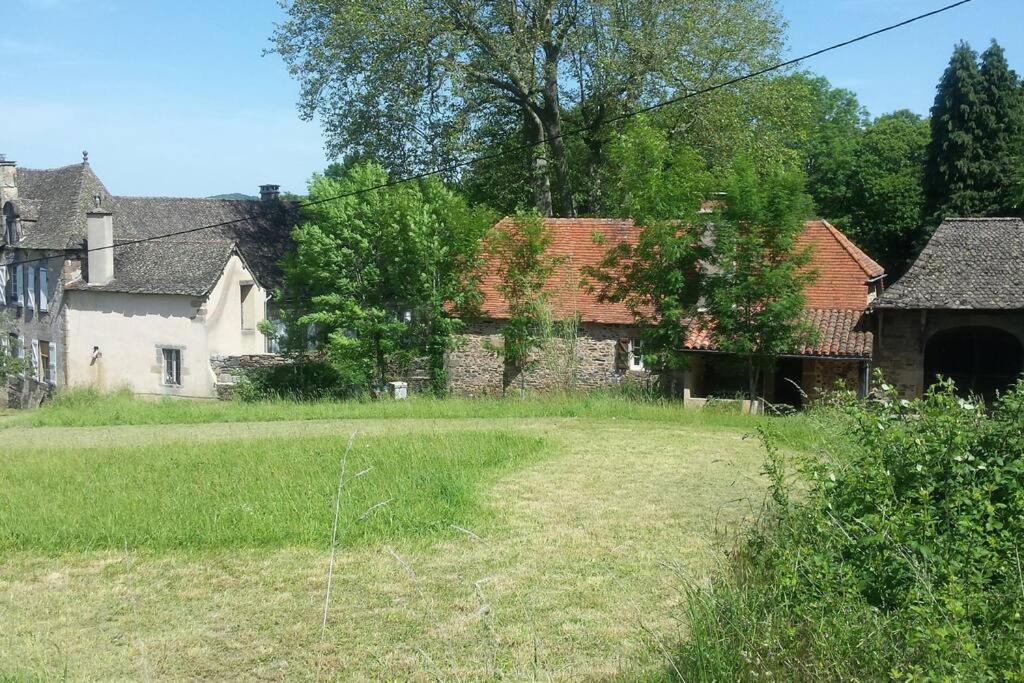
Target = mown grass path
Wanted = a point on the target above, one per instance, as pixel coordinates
(580, 577)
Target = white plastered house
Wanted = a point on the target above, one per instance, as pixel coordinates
(95, 300)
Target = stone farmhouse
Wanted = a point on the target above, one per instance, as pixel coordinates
(607, 350)
(958, 312)
(95, 302)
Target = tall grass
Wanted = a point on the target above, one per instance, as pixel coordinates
(90, 408)
(258, 493)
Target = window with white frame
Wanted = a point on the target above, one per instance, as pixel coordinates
(45, 362)
(30, 290)
(172, 367)
(44, 291)
(636, 354)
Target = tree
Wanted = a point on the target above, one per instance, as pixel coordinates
(518, 248)
(1001, 134)
(886, 198)
(955, 164)
(383, 275)
(756, 291)
(659, 184)
(414, 84)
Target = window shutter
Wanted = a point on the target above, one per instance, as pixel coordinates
(622, 354)
(30, 291)
(36, 370)
(53, 363)
(43, 288)
(3, 284)
(18, 296)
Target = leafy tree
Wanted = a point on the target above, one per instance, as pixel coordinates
(518, 249)
(10, 363)
(830, 150)
(756, 292)
(886, 197)
(1002, 134)
(415, 84)
(955, 162)
(383, 275)
(658, 183)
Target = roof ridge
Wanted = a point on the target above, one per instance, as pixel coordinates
(983, 219)
(55, 168)
(187, 199)
(870, 267)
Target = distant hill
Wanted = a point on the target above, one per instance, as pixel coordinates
(233, 195)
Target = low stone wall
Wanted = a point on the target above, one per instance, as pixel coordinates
(474, 369)
(25, 393)
(227, 370)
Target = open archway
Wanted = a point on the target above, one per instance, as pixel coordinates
(981, 360)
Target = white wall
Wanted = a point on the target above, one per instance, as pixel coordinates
(131, 329)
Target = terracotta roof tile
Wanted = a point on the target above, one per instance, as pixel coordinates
(841, 334)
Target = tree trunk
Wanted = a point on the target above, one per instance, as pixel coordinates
(751, 383)
(537, 164)
(552, 119)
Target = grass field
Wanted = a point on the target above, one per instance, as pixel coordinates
(474, 543)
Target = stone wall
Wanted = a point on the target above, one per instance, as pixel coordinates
(227, 370)
(821, 375)
(25, 393)
(476, 370)
(901, 337)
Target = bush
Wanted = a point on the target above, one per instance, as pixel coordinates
(902, 559)
(303, 380)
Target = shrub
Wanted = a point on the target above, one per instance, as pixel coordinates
(303, 380)
(901, 560)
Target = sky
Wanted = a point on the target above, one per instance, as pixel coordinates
(175, 97)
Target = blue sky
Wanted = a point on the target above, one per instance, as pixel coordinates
(173, 97)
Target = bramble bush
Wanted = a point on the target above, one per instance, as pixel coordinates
(897, 556)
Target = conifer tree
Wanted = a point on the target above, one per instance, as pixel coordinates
(1002, 133)
(955, 163)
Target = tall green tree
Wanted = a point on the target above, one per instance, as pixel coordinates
(414, 84)
(384, 275)
(756, 290)
(659, 183)
(518, 249)
(955, 164)
(885, 209)
(1002, 134)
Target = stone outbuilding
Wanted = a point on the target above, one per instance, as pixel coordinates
(607, 351)
(958, 312)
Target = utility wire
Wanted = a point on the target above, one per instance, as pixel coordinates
(519, 148)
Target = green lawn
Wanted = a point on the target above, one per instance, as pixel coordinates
(473, 543)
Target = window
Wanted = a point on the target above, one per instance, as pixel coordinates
(34, 367)
(636, 354)
(18, 288)
(248, 308)
(172, 367)
(30, 291)
(10, 227)
(44, 298)
(45, 360)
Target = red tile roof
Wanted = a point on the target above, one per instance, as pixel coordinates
(840, 335)
(835, 300)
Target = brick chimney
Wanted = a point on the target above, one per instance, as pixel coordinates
(8, 180)
(100, 243)
(270, 193)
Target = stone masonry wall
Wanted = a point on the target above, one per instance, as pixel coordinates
(821, 375)
(229, 369)
(901, 336)
(475, 370)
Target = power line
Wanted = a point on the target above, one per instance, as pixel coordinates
(520, 148)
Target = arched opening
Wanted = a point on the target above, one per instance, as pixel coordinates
(10, 224)
(981, 360)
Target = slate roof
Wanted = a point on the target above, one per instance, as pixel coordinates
(145, 268)
(968, 264)
(53, 203)
(57, 199)
(841, 334)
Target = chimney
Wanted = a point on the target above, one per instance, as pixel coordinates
(100, 243)
(8, 180)
(270, 193)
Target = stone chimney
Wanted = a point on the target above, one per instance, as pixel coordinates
(100, 244)
(8, 180)
(270, 193)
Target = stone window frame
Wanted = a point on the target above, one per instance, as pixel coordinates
(162, 358)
